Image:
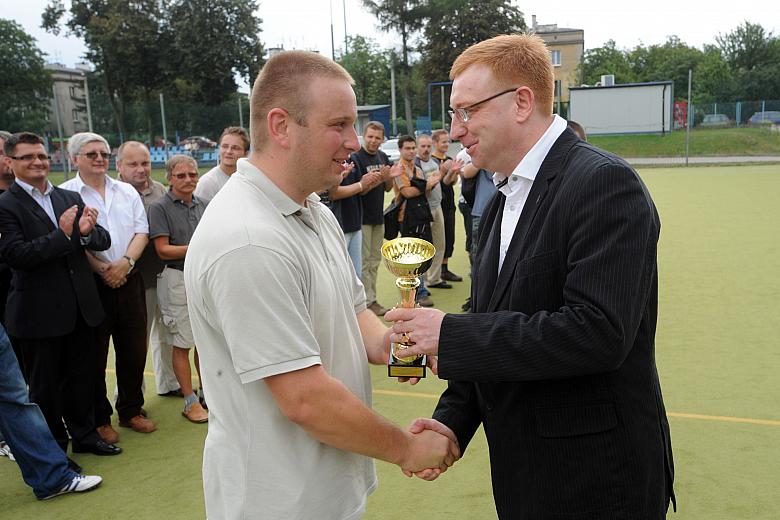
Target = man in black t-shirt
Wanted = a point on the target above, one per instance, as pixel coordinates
(370, 159)
(449, 174)
(345, 202)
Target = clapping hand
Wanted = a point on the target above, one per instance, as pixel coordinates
(87, 221)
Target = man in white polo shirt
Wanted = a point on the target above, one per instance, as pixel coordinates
(281, 321)
(121, 288)
(233, 145)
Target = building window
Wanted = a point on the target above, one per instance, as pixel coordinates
(76, 115)
(556, 58)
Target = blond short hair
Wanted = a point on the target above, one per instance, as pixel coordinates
(284, 83)
(238, 132)
(176, 160)
(514, 60)
(438, 134)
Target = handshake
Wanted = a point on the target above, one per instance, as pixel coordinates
(431, 448)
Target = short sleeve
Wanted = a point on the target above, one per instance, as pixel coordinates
(140, 222)
(158, 222)
(258, 299)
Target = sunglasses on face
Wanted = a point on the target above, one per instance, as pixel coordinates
(94, 155)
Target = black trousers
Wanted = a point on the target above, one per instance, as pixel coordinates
(60, 373)
(449, 231)
(125, 322)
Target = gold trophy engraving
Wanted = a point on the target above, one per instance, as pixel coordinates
(407, 258)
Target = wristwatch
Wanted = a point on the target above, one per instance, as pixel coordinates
(129, 261)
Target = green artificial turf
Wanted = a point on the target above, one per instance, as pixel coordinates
(717, 353)
(703, 142)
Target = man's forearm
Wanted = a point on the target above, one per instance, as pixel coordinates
(137, 245)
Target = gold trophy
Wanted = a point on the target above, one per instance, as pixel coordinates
(407, 258)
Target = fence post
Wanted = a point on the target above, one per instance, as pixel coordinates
(738, 115)
(165, 131)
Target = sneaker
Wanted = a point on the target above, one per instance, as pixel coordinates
(377, 309)
(79, 484)
(5, 451)
(195, 413)
(451, 277)
(425, 302)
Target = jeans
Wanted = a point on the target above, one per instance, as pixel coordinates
(43, 464)
(354, 248)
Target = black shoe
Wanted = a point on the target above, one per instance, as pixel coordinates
(172, 393)
(73, 466)
(99, 448)
(451, 277)
(466, 307)
(441, 285)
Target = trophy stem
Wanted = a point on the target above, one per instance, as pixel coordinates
(408, 287)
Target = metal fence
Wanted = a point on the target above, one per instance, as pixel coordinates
(736, 114)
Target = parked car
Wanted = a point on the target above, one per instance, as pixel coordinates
(390, 147)
(715, 120)
(197, 142)
(767, 117)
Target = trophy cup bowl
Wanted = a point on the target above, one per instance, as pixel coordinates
(407, 258)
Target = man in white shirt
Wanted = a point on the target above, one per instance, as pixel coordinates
(281, 321)
(121, 288)
(133, 162)
(233, 145)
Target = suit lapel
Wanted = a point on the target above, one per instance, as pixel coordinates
(34, 208)
(488, 248)
(552, 164)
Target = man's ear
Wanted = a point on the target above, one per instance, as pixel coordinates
(278, 121)
(524, 101)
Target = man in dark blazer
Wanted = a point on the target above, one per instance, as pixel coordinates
(53, 303)
(557, 359)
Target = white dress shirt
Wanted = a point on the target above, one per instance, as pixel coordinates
(121, 213)
(43, 199)
(520, 181)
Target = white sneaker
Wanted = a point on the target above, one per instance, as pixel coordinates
(5, 451)
(79, 484)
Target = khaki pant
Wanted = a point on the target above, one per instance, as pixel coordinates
(373, 237)
(164, 377)
(433, 276)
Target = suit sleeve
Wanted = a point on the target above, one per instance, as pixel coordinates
(99, 239)
(23, 254)
(610, 241)
(458, 409)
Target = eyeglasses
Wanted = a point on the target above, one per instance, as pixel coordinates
(94, 155)
(181, 176)
(31, 157)
(463, 113)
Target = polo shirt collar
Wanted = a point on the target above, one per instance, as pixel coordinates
(529, 165)
(170, 195)
(284, 204)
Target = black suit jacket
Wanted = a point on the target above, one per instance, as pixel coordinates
(51, 279)
(557, 359)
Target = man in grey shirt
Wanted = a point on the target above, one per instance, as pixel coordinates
(430, 169)
(172, 221)
(233, 145)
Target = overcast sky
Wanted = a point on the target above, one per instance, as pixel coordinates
(305, 24)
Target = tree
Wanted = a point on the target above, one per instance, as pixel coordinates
(25, 85)
(754, 58)
(670, 61)
(214, 42)
(607, 59)
(453, 25)
(124, 40)
(405, 17)
(369, 68)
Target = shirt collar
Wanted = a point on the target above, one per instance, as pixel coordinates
(79, 182)
(284, 204)
(170, 195)
(29, 188)
(529, 165)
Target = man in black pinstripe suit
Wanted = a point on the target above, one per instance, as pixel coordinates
(557, 359)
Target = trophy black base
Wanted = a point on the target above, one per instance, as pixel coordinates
(416, 368)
